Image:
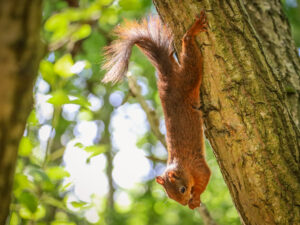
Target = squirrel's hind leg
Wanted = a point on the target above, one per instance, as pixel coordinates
(191, 58)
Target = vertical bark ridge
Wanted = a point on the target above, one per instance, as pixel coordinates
(274, 31)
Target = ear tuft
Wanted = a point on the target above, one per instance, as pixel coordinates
(160, 180)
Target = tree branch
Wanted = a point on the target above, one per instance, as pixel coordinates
(151, 114)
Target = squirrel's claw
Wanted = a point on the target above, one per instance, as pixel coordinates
(200, 25)
(201, 14)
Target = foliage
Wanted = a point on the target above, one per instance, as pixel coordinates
(73, 115)
(291, 9)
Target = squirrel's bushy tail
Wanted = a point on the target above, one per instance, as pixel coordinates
(151, 36)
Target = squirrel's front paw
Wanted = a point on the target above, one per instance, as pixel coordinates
(201, 22)
(194, 203)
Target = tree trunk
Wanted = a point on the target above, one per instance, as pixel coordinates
(250, 122)
(20, 23)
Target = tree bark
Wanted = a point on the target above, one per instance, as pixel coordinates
(274, 32)
(250, 122)
(20, 54)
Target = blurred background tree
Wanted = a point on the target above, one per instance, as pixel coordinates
(89, 154)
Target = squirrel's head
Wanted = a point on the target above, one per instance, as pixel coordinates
(177, 185)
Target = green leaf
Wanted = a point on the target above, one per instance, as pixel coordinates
(14, 219)
(32, 119)
(141, 141)
(47, 71)
(22, 182)
(25, 147)
(59, 98)
(73, 14)
(79, 145)
(79, 204)
(50, 200)
(40, 212)
(85, 114)
(41, 178)
(57, 154)
(63, 66)
(88, 65)
(62, 223)
(57, 173)
(81, 33)
(109, 16)
(103, 3)
(64, 188)
(95, 150)
(61, 215)
(57, 22)
(129, 5)
(27, 214)
(81, 100)
(28, 200)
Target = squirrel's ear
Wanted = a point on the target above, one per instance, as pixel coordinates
(160, 180)
(172, 176)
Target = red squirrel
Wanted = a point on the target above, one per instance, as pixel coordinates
(187, 173)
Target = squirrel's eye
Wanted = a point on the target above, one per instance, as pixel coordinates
(182, 189)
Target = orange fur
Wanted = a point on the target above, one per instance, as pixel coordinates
(187, 173)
